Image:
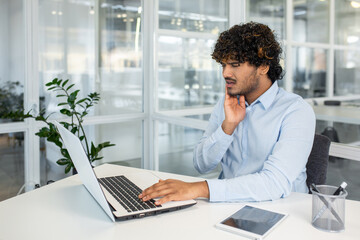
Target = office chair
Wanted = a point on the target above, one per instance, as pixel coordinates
(316, 166)
(331, 133)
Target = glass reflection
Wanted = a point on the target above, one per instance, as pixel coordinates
(309, 74)
(197, 16)
(176, 145)
(347, 72)
(121, 57)
(127, 137)
(12, 57)
(341, 169)
(311, 21)
(204, 117)
(11, 164)
(187, 74)
(347, 26)
(66, 47)
(269, 12)
(67, 50)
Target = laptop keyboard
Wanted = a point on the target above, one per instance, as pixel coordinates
(126, 193)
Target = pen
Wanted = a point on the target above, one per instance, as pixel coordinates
(341, 188)
(314, 188)
(327, 203)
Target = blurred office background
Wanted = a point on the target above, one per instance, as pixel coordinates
(150, 61)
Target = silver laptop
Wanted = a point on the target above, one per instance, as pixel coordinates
(117, 195)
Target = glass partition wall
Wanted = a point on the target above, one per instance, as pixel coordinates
(12, 81)
(187, 77)
(150, 61)
(321, 43)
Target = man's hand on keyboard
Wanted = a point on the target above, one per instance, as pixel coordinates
(175, 190)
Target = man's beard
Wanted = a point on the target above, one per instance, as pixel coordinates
(252, 85)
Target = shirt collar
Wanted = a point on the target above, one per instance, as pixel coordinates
(268, 97)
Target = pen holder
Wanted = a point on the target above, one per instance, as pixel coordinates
(328, 210)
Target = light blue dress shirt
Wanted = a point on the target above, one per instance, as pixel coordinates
(265, 157)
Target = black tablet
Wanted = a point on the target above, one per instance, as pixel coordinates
(252, 222)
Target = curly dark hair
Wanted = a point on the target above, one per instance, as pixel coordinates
(251, 42)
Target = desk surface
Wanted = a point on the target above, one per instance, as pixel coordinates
(343, 114)
(65, 210)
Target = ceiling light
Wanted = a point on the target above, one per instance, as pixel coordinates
(355, 4)
(352, 39)
(92, 11)
(195, 86)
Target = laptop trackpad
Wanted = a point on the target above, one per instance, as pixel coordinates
(143, 180)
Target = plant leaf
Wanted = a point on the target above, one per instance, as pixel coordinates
(97, 158)
(67, 89)
(65, 153)
(63, 161)
(74, 129)
(93, 149)
(66, 112)
(80, 101)
(49, 84)
(105, 145)
(65, 82)
(68, 168)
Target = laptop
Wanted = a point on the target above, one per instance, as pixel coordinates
(117, 195)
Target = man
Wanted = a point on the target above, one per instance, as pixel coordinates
(259, 133)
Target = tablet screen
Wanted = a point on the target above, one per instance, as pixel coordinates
(254, 220)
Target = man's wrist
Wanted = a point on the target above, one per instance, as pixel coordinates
(202, 189)
(228, 128)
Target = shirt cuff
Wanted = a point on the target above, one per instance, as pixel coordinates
(217, 190)
(220, 134)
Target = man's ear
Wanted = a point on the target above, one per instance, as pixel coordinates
(263, 69)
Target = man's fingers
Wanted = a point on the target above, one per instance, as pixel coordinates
(169, 190)
(156, 194)
(157, 190)
(242, 101)
(163, 200)
(154, 187)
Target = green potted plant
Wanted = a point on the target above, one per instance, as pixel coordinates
(10, 98)
(73, 108)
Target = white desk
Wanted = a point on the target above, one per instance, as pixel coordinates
(65, 210)
(343, 114)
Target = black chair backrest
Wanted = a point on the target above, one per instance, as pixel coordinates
(316, 166)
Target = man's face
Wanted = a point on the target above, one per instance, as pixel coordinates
(241, 78)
